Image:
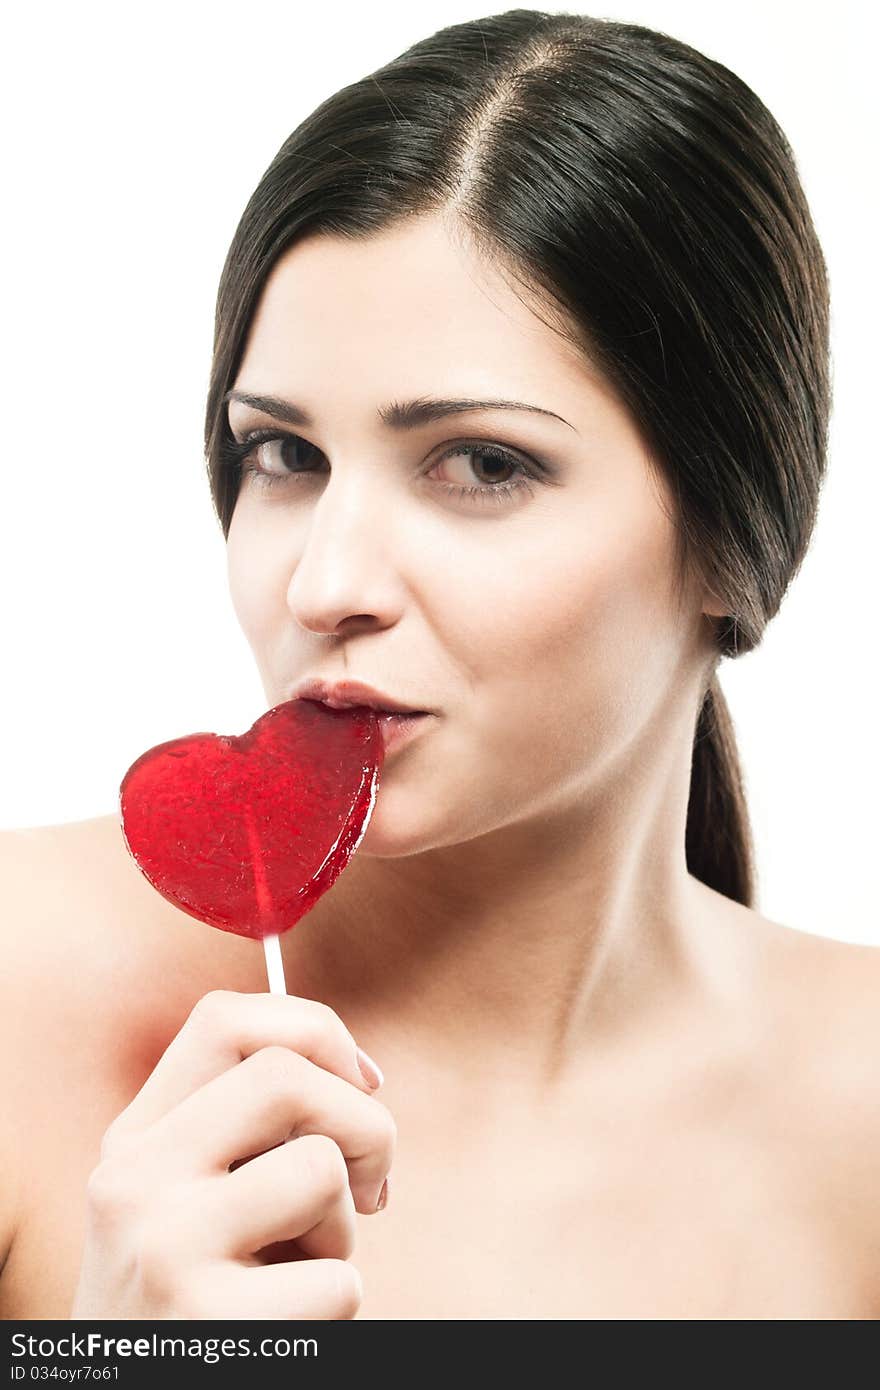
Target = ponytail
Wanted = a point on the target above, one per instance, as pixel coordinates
(718, 837)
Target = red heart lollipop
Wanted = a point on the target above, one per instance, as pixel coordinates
(246, 832)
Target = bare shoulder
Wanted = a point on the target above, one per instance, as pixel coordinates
(822, 1002)
(78, 913)
(830, 987)
(818, 993)
(51, 978)
(83, 920)
(75, 928)
(48, 884)
(42, 866)
(99, 973)
(95, 958)
(823, 1030)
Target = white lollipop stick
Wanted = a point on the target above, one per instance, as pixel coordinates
(271, 944)
(274, 964)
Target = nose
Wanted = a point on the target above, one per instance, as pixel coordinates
(344, 571)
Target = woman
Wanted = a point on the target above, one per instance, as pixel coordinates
(613, 1089)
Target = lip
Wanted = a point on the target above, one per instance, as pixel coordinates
(399, 728)
(348, 694)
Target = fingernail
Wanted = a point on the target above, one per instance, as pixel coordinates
(369, 1071)
(383, 1196)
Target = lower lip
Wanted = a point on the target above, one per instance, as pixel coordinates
(399, 728)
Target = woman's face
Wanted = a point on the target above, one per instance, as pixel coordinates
(535, 615)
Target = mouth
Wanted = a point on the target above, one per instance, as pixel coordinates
(395, 726)
(399, 728)
(351, 694)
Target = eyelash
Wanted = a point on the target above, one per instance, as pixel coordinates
(237, 454)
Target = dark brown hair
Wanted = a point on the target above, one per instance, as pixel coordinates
(644, 192)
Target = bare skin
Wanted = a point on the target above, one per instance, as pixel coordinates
(720, 1163)
(615, 1092)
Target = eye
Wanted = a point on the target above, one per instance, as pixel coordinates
(270, 455)
(291, 461)
(482, 459)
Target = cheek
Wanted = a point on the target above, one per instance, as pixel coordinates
(250, 579)
(572, 644)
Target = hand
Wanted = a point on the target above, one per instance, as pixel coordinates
(179, 1207)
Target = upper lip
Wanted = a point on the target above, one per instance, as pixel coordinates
(348, 693)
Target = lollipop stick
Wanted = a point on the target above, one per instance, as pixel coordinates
(271, 944)
(274, 965)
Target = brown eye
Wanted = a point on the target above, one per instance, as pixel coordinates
(283, 454)
(267, 457)
(491, 462)
(270, 458)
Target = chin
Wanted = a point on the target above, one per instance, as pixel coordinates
(385, 839)
(395, 830)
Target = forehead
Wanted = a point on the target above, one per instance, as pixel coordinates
(411, 310)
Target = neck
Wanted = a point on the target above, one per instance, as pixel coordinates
(529, 946)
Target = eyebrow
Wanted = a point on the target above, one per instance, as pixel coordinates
(405, 415)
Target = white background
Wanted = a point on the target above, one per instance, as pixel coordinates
(133, 137)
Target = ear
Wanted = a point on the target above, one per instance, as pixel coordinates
(713, 607)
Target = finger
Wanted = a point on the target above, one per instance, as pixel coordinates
(304, 1289)
(297, 1191)
(223, 1028)
(272, 1096)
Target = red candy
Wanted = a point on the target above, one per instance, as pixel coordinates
(246, 832)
